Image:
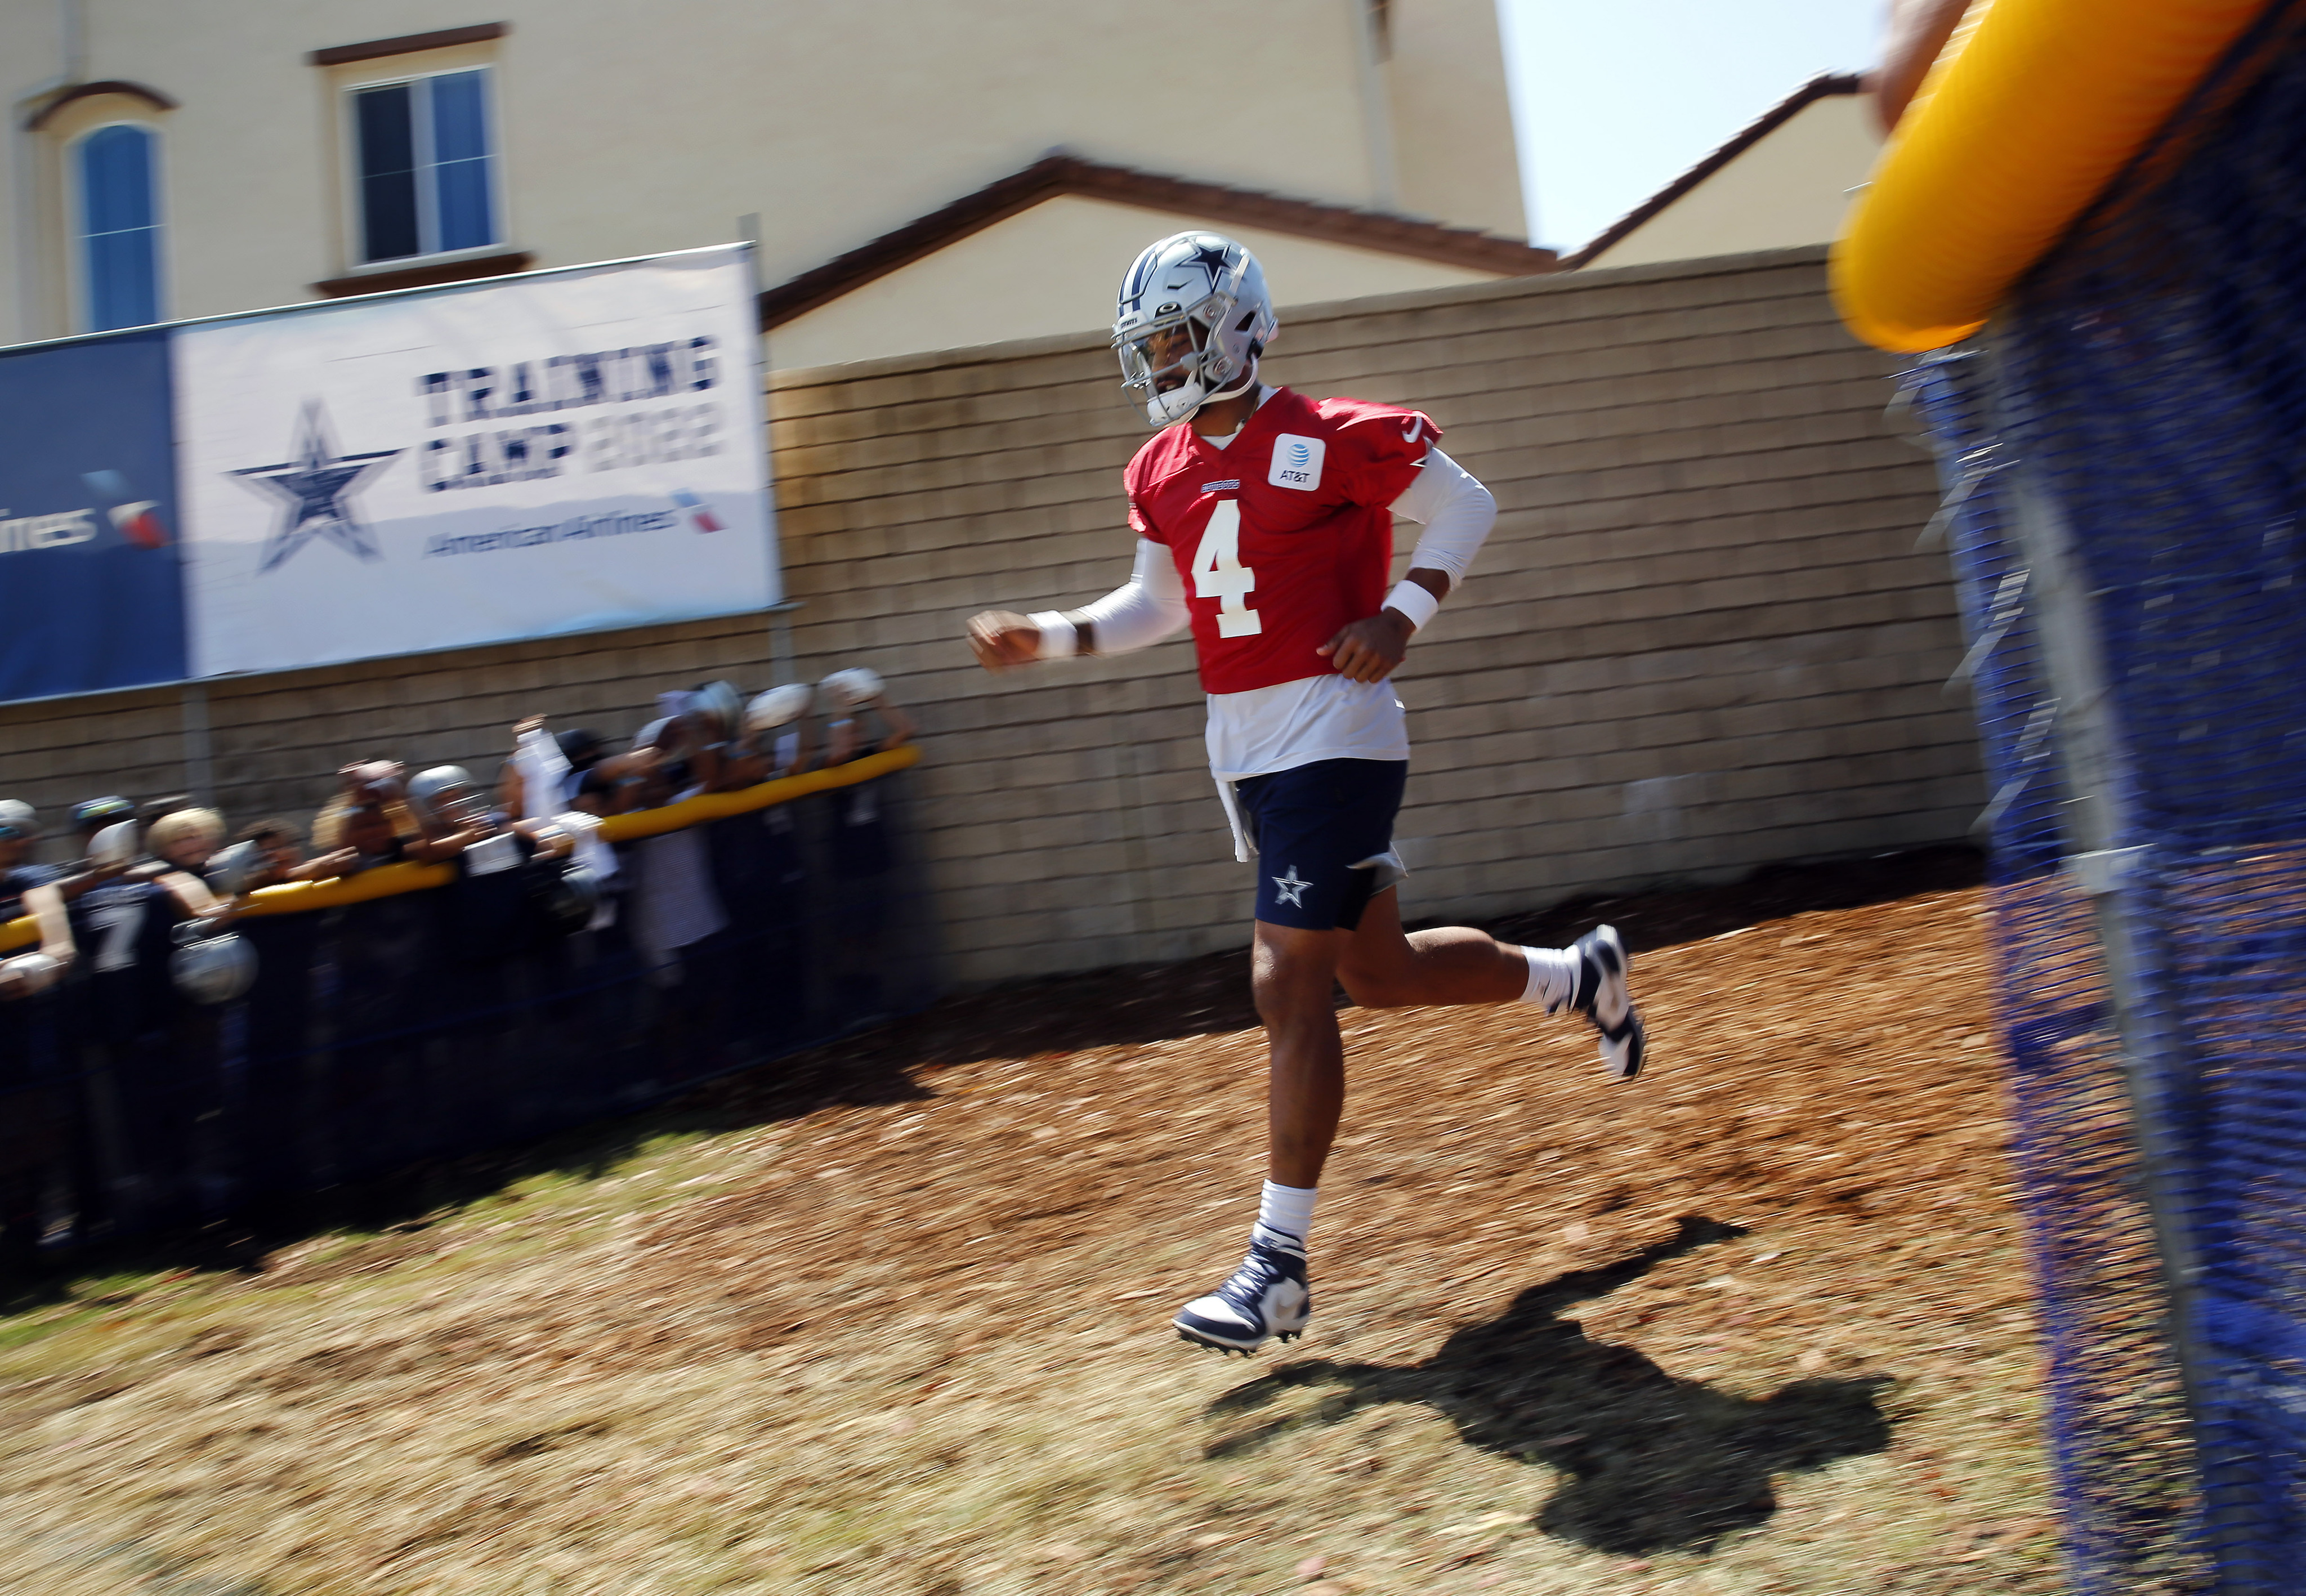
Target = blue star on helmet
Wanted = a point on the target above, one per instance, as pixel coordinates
(315, 486)
(1210, 258)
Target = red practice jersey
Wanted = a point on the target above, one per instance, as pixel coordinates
(1283, 535)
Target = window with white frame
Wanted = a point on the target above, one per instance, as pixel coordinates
(424, 162)
(116, 194)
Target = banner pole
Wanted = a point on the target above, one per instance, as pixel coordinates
(200, 770)
(781, 667)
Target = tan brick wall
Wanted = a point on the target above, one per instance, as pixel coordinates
(1698, 640)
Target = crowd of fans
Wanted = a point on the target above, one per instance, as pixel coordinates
(142, 922)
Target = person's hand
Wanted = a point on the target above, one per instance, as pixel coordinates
(1001, 638)
(327, 866)
(434, 850)
(1370, 650)
(526, 724)
(552, 841)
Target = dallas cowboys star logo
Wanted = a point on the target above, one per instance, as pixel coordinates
(1211, 258)
(315, 485)
(1291, 888)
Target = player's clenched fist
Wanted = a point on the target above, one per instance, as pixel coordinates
(1368, 649)
(1001, 638)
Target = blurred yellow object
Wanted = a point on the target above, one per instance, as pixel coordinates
(719, 806)
(2032, 109)
(387, 881)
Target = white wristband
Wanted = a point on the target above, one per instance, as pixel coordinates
(1060, 638)
(1415, 601)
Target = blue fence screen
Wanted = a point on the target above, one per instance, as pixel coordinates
(2136, 418)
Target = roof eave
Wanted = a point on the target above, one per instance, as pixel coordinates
(1058, 175)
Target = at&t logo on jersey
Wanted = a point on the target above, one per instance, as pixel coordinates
(1297, 462)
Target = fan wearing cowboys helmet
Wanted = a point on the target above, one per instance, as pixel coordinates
(1264, 522)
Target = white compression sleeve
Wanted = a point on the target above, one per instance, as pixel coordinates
(1142, 610)
(1458, 513)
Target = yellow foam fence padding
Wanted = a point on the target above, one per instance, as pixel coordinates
(387, 881)
(719, 806)
(2032, 109)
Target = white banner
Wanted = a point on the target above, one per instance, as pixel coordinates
(557, 453)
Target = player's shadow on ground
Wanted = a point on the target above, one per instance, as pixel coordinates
(1654, 1463)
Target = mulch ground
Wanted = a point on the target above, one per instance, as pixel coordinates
(891, 1316)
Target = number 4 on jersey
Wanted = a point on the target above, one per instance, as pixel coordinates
(1219, 573)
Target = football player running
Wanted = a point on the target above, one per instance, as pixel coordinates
(1264, 520)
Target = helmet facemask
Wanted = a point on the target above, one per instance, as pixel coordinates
(446, 800)
(1171, 369)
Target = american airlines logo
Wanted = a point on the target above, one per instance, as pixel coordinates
(22, 534)
(136, 520)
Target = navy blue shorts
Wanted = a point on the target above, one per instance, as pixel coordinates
(1324, 839)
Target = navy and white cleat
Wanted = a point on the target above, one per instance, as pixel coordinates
(1604, 998)
(1268, 1296)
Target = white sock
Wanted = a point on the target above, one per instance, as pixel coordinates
(1553, 977)
(1286, 1211)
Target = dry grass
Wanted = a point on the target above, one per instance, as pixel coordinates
(1757, 1324)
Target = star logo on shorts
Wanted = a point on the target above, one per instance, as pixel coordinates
(1291, 888)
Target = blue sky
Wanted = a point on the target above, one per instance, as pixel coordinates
(1614, 98)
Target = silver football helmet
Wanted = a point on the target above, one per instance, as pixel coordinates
(230, 871)
(567, 898)
(211, 965)
(1193, 318)
(446, 797)
(114, 846)
(852, 688)
(779, 706)
(28, 974)
(719, 703)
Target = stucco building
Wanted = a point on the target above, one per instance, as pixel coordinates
(917, 176)
(1783, 182)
